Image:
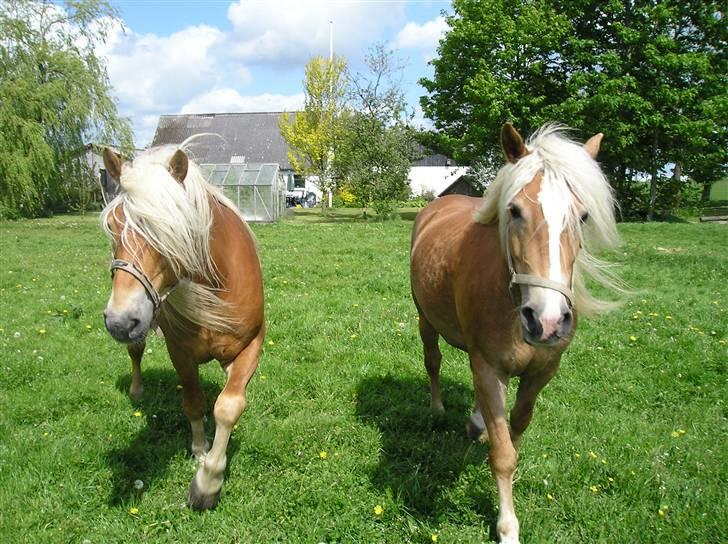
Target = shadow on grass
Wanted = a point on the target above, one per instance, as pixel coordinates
(167, 432)
(423, 454)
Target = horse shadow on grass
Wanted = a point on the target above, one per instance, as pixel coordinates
(424, 454)
(165, 434)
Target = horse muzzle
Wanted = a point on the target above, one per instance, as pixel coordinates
(542, 330)
(129, 325)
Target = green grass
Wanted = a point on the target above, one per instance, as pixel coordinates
(342, 373)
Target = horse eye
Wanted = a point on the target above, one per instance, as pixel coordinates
(584, 217)
(515, 211)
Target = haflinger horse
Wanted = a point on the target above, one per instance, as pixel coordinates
(184, 258)
(503, 277)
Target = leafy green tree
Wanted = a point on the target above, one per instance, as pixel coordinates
(650, 75)
(55, 96)
(312, 134)
(496, 63)
(378, 144)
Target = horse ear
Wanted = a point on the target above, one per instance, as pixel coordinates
(592, 145)
(178, 165)
(512, 143)
(112, 163)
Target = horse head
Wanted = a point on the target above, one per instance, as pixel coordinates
(139, 271)
(541, 225)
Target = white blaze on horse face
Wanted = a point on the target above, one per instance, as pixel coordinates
(555, 202)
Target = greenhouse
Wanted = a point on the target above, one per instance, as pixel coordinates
(258, 190)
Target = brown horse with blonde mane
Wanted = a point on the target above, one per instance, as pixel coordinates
(184, 258)
(503, 278)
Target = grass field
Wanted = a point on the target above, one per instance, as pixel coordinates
(628, 442)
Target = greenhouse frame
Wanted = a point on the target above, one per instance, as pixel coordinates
(257, 189)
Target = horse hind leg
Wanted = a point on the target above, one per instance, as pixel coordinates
(207, 482)
(475, 426)
(433, 357)
(136, 352)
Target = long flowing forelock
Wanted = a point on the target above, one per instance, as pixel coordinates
(175, 219)
(566, 164)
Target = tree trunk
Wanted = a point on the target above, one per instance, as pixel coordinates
(705, 196)
(653, 181)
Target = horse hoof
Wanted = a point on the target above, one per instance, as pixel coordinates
(199, 501)
(475, 433)
(136, 394)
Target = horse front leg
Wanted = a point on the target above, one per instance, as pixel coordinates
(194, 403)
(490, 387)
(528, 389)
(206, 485)
(136, 352)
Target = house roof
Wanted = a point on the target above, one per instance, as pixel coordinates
(245, 137)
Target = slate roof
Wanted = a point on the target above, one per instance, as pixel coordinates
(249, 137)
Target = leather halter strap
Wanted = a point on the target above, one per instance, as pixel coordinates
(141, 277)
(534, 280)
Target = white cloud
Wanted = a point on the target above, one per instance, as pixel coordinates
(227, 100)
(425, 36)
(152, 73)
(291, 31)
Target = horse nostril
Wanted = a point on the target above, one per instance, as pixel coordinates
(133, 322)
(529, 319)
(566, 319)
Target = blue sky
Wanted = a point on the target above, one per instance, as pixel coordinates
(196, 56)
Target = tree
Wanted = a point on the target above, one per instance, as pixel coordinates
(377, 145)
(312, 134)
(55, 96)
(650, 75)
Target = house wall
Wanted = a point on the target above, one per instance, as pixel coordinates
(433, 179)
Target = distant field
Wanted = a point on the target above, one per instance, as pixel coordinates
(628, 442)
(719, 191)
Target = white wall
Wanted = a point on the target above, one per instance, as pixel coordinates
(433, 178)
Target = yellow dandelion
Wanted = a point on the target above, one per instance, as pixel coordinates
(41, 331)
(545, 455)
(134, 511)
(675, 434)
(353, 336)
(434, 537)
(633, 338)
(88, 327)
(263, 377)
(594, 488)
(378, 510)
(549, 496)
(271, 342)
(323, 454)
(356, 305)
(235, 427)
(681, 431)
(577, 455)
(45, 434)
(592, 455)
(721, 341)
(668, 317)
(604, 461)
(610, 479)
(137, 414)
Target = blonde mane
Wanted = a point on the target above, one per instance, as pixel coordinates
(569, 166)
(175, 219)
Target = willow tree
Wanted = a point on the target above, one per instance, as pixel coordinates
(55, 97)
(312, 134)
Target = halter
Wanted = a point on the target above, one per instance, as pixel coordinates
(141, 277)
(534, 280)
